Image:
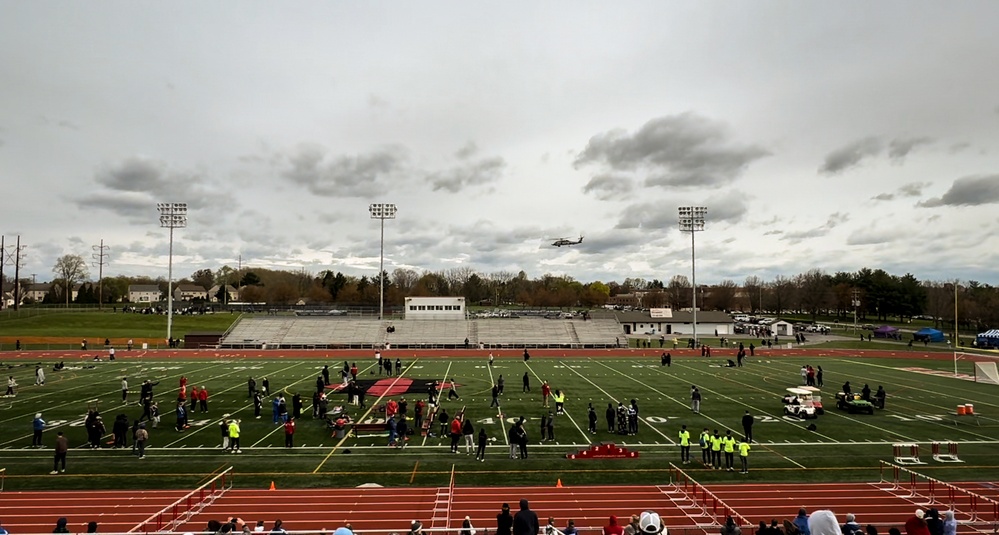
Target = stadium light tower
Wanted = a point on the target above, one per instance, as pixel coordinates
(172, 215)
(692, 221)
(381, 211)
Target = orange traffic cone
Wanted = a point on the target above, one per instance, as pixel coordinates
(558, 484)
(272, 486)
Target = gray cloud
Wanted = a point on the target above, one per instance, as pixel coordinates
(868, 236)
(834, 220)
(467, 151)
(609, 186)
(683, 150)
(912, 189)
(729, 207)
(648, 216)
(362, 175)
(968, 191)
(851, 155)
(475, 173)
(899, 148)
(132, 187)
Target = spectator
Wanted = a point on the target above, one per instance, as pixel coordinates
(823, 522)
(550, 529)
(801, 522)
(259, 528)
(650, 523)
(504, 521)
(632, 527)
(852, 527)
(141, 438)
(61, 447)
(775, 528)
(278, 528)
(525, 522)
(61, 526)
(613, 528)
(416, 528)
(950, 525)
(730, 528)
(933, 522)
(466, 526)
(91, 527)
(916, 525)
(570, 529)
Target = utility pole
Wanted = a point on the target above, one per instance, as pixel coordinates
(100, 254)
(3, 300)
(856, 303)
(6, 257)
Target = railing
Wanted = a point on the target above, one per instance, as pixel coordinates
(187, 506)
(978, 507)
(712, 505)
(3, 477)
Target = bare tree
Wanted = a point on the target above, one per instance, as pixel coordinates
(753, 287)
(70, 269)
(722, 296)
(782, 292)
(814, 291)
(678, 291)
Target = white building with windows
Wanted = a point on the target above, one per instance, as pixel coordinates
(435, 308)
(143, 293)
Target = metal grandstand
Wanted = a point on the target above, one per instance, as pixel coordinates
(284, 332)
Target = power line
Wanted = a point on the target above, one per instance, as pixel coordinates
(101, 256)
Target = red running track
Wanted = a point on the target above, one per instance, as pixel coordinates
(114, 511)
(393, 509)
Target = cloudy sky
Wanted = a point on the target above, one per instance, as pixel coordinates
(831, 135)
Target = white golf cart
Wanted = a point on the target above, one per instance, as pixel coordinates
(816, 398)
(798, 402)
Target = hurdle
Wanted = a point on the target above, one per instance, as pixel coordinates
(925, 490)
(950, 456)
(906, 454)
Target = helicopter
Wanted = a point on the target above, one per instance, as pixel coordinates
(567, 242)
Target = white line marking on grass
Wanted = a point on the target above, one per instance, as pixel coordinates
(214, 424)
(365, 415)
(499, 409)
(831, 413)
(564, 412)
(611, 396)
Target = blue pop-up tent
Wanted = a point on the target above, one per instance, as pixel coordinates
(928, 335)
(988, 339)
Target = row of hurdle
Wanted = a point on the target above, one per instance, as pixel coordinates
(908, 454)
(925, 491)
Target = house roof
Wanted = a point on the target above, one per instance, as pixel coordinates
(40, 287)
(679, 316)
(190, 288)
(143, 288)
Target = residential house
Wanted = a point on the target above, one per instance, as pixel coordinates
(189, 292)
(214, 291)
(143, 293)
(37, 292)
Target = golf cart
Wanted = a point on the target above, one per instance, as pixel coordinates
(798, 402)
(853, 404)
(816, 398)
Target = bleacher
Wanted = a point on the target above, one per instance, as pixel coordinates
(430, 333)
(317, 332)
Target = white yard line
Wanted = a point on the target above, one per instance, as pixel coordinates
(499, 410)
(565, 412)
(611, 396)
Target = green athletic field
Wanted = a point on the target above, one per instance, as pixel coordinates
(844, 447)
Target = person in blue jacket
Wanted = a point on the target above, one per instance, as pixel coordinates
(38, 425)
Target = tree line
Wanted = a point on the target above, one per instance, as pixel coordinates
(875, 295)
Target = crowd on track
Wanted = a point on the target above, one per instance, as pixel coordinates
(526, 522)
